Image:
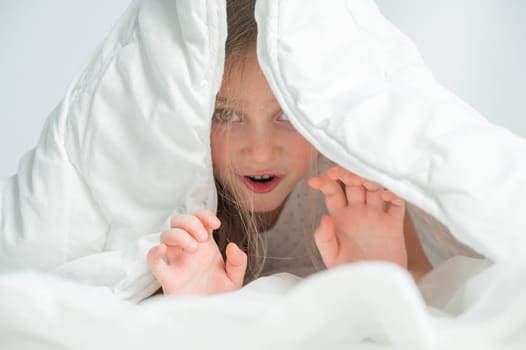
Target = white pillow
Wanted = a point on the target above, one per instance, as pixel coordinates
(359, 91)
(126, 149)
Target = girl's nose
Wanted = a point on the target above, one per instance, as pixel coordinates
(260, 145)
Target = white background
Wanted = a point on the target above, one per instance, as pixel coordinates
(476, 48)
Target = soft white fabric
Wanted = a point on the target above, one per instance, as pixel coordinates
(127, 148)
(359, 91)
(358, 306)
(437, 241)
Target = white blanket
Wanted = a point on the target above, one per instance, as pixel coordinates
(360, 306)
(129, 146)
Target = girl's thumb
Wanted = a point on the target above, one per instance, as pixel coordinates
(236, 264)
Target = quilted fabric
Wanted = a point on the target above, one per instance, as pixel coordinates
(129, 144)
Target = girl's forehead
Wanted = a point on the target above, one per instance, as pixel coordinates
(244, 84)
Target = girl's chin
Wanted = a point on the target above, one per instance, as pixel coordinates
(263, 211)
(259, 208)
(262, 207)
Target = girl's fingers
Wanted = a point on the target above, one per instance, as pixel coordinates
(396, 205)
(333, 193)
(354, 190)
(372, 186)
(326, 241)
(208, 218)
(373, 195)
(156, 263)
(236, 264)
(193, 225)
(176, 237)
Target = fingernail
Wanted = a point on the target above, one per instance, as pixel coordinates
(215, 221)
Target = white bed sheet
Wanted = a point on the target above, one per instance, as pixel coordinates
(366, 306)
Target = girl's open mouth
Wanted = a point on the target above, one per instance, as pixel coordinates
(262, 183)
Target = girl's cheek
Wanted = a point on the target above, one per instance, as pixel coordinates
(287, 126)
(218, 152)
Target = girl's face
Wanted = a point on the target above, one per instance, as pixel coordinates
(255, 149)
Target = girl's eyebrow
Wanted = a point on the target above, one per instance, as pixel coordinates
(230, 101)
(221, 99)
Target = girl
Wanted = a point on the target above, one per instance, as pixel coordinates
(261, 164)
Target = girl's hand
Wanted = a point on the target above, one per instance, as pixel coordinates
(188, 261)
(365, 222)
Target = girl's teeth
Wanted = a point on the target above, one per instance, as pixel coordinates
(262, 177)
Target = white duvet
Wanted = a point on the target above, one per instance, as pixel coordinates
(129, 146)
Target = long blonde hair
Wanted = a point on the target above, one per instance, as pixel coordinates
(239, 224)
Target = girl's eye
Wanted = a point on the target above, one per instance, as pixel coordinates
(226, 115)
